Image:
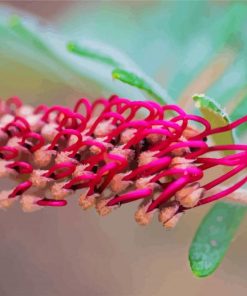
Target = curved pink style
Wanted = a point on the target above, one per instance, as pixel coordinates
(112, 153)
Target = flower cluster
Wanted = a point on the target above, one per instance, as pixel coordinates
(112, 152)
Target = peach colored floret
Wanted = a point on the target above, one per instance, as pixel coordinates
(28, 203)
(118, 184)
(38, 180)
(5, 201)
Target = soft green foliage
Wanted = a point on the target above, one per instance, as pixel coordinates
(214, 236)
(134, 76)
(28, 46)
(170, 40)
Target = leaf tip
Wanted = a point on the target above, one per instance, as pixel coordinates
(197, 99)
(115, 74)
(70, 46)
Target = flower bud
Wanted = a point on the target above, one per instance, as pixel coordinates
(142, 217)
(87, 202)
(38, 180)
(42, 157)
(58, 192)
(102, 208)
(173, 221)
(117, 183)
(192, 199)
(168, 212)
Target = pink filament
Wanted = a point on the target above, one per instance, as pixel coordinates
(21, 167)
(51, 203)
(8, 152)
(60, 170)
(224, 177)
(31, 135)
(168, 192)
(223, 193)
(20, 189)
(121, 114)
(130, 196)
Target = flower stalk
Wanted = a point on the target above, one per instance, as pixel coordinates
(112, 154)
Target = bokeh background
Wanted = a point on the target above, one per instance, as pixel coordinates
(187, 47)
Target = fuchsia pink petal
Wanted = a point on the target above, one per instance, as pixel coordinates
(114, 151)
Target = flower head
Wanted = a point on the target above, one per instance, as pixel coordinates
(113, 157)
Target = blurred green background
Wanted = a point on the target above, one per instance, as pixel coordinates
(187, 47)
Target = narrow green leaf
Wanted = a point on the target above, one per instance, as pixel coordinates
(89, 53)
(217, 117)
(146, 84)
(125, 70)
(213, 237)
(44, 48)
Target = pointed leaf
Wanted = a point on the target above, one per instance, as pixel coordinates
(143, 83)
(214, 236)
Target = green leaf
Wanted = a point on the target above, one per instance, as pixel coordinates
(85, 51)
(146, 84)
(217, 117)
(213, 237)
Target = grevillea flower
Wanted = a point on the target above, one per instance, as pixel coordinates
(112, 154)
